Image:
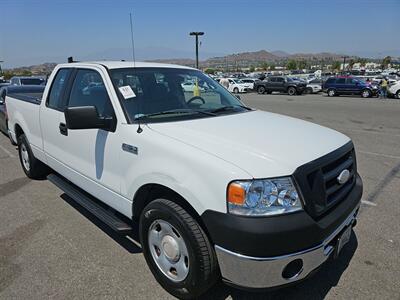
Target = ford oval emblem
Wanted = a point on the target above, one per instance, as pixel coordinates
(343, 176)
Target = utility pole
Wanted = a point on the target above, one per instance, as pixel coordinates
(196, 34)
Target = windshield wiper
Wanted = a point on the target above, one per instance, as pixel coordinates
(174, 111)
(230, 107)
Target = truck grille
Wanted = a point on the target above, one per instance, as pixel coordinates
(318, 181)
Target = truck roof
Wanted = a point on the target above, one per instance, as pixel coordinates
(125, 64)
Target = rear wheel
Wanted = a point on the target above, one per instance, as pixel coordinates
(261, 89)
(177, 250)
(331, 92)
(291, 91)
(32, 167)
(398, 94)
(366, 93)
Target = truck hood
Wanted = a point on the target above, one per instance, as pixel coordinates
(262, 144)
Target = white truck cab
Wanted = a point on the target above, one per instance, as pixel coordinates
(219, 190)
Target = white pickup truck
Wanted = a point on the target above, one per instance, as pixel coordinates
(219, 190)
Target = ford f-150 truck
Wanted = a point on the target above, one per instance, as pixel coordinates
(219, 190)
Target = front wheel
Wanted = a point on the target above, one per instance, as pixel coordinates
(398, 94)
(236, 90)
(177, 250)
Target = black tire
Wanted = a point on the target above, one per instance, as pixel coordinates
(309, 90)
(36, 169)
(331, 92)
(291, 91)
(236, 90)
(261, 90)
(202, 262)
(366, 93)
(398, 94)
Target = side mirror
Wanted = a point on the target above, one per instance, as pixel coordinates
(87, 117)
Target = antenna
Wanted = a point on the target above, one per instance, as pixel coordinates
(133, 43)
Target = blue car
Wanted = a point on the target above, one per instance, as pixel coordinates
(347, 85)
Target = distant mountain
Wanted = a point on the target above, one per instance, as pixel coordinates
(280, 53)
(246, 59)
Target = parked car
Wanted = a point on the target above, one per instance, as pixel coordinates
(238, 86)
(280, 84)
(250, 81)
(212, 196)
(314, 86)
(394, 89)
(20, 80)
(26, 92)
(190, 87)
(347, 85)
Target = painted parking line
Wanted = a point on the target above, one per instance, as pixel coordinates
(379, 154)
(7, 152)
(369, 203)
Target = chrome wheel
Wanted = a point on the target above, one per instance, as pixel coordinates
(365, 94)
(168, 250)
(331, 93)
(25, 157)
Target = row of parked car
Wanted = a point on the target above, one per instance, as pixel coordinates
(332, 86)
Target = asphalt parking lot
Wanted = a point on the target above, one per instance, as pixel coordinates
(50, 248)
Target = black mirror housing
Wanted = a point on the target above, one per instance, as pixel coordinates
(86, 117)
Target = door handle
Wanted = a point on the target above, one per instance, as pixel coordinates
(63, 129)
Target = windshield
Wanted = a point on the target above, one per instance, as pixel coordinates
(169, 94)
(31, 81)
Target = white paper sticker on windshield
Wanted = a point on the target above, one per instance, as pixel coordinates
(127, 92)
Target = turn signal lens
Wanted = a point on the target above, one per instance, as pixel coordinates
(236, 194)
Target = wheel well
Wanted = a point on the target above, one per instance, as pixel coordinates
(18, 131)
(149, 192)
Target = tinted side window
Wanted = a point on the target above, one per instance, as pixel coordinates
(350, 81)
(57, 89)
(331, 80)
(272, 79)
(88, 90)
(341, 80)
(280, 79)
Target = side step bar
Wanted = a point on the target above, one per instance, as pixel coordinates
(107, 216)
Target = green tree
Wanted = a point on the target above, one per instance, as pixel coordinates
(386, 61)
(301, 64)
(291, 65)
(336, 65)
(252, 69)
(209, 71)
(264, 66)
(272, 67)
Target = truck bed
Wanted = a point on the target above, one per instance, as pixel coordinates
(32, 94)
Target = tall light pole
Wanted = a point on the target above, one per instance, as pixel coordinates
(196, 34)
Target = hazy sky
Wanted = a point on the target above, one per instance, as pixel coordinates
(44, 31)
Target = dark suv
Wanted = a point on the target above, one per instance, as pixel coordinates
(280, 84)
(346, 85)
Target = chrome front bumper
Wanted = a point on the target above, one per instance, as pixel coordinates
(266, 272)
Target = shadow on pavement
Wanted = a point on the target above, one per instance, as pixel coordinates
(314, 287)
(124, 241)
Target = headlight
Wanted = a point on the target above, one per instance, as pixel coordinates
(263, 197)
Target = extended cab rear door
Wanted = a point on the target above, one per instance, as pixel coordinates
(88, 157)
